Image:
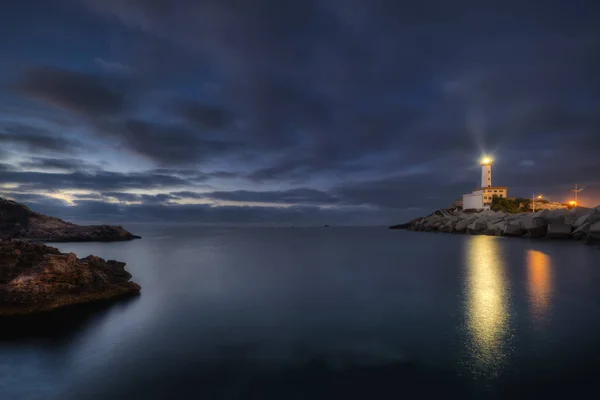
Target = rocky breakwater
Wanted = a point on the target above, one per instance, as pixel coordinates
(18, 221)
(35, 277)
(579, 223)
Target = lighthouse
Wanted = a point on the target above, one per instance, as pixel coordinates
(483, 196)
(486, 172)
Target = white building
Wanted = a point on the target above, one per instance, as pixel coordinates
(481, 197)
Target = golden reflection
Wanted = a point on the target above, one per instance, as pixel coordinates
(539, 285)
(487, 304)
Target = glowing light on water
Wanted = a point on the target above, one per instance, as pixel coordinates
(487, 304)
(539, 284)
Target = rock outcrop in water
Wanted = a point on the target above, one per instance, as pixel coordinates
(18, 221)
(35, 277)
(579, 223)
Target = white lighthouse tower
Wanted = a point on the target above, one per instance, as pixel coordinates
(486, 172)
(483, 196)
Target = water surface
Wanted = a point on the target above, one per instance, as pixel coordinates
(319, 313)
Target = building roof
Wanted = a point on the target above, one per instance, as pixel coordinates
(492, 187)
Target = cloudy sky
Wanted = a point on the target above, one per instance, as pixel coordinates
(354, 112)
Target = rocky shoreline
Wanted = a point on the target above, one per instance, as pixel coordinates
(35, 277)
(18, 221)
(579, 223)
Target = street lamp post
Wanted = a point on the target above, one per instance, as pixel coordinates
(533, 197)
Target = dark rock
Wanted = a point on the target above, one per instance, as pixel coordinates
(18, 221)
(35, 277)
(513, 229)
(406, 225)
(14, 219)
(581, 232)
(537, 232)
(594, 234)
(558, 231)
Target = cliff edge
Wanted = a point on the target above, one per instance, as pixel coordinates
(18, 221)
(35, 277)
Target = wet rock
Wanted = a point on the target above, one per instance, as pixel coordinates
(594, 232)
(556, 216)
(537, 232)
(461, 226)
(513, 229)
(476, 227)
(581, 232)
(558, 231)
(35, 277)
(529, 222)
(579, 223)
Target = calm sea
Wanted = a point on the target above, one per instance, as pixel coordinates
(311, 313)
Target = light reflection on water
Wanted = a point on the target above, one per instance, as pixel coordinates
(539, 285)
(487, 306)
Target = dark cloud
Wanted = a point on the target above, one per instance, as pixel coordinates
(112, 66)
(326, 83)
(6, 167)
(96, 181)
(204, 116)
(33, 139)
(81, 92)
(403, 192)
(292, 196)
(69, 164)
(170, 144)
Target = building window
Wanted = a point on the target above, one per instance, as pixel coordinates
(500, 195)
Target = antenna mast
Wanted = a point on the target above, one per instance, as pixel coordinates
(576, 191)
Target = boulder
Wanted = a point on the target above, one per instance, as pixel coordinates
(558, 231)
(595, 230)
(501, 225)
(536, 232)
(592, 218)
(35, 277)
(531, 222)
(513, 229)
(541, 213)
(577, 212)
(556, 216)
(461, 226)
(476, 227)
(581, 232)
(496, 228)
(593, 236)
